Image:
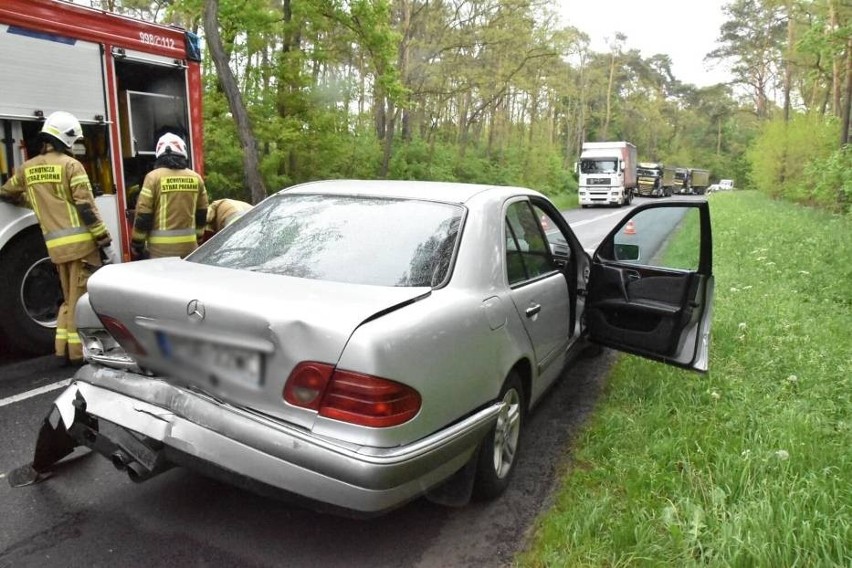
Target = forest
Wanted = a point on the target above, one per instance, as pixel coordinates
(502, 91)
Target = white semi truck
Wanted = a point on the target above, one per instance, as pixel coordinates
(607, 173)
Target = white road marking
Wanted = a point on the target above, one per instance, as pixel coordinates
(596, 219)
(35, 392)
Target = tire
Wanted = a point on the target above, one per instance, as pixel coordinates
(30, 296)
(500, 450)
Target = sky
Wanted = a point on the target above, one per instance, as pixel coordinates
(686, 30)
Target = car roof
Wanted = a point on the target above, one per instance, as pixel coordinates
(448, 192)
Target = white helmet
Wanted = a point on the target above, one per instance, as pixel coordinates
(171, 144)
(63, 126)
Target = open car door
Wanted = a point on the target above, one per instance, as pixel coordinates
(650, 290)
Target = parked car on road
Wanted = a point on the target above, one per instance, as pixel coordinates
(361, 343)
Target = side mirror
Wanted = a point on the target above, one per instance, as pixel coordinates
(560, 250)
(627, 252)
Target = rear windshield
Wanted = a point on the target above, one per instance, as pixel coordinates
(360, 240)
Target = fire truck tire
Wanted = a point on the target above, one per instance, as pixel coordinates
(30, 296)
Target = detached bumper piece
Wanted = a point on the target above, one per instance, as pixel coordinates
(144, 425)
(141, 457)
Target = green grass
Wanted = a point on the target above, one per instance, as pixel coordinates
(750, 464)
(565, 200)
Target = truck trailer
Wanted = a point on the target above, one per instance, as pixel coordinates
(699, 181)
(607, 172)
(655, 179)
(126, 81)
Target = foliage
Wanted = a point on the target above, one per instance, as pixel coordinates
(831, 180)
(781, 151)
(493, 91)
(501, 91)
(749, 464)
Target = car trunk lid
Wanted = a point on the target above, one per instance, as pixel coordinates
(235, 334)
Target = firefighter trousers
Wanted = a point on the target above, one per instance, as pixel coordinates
(73, 276)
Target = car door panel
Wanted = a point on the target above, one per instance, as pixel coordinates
(544, 310)
(642, 305)
(640, 312)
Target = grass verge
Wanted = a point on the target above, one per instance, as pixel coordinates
(565, 200)
(750, 464)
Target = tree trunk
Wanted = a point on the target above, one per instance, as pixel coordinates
(788, 63)
(388, 142)
(404, 62)
(719, 136)
(847, 108)
(605, 133)
(835, 63)
(251, 163)
(379, 112)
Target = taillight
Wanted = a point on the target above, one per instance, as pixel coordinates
(351, 397)
(306, 384)
(121, 334)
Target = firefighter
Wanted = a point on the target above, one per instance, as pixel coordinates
(223, 212)
(55, 185)
(172, 207)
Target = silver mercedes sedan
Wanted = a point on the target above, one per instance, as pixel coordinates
(362, 343)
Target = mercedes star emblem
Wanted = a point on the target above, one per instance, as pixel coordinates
(195, 310)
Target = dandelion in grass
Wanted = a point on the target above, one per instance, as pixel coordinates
(742, 326)
(747, 287)
(735, 290)
(715, 395)
(792, 379)
(782, 455)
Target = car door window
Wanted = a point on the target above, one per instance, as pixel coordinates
(559, 246)
(651, 285)
(664, 238)
(527, 251)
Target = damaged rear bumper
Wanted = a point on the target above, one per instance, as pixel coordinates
(149, 424)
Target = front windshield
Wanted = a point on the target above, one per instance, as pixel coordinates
(680, 175)
(645, 172)
(360, 240)
(599, 166)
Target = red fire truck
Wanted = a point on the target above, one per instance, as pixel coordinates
(127, 81)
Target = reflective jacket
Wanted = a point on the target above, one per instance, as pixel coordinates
(171, 212)
(57, 189)
(223, 212)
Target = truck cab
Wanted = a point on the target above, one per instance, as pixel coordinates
(681, 180)
(607, 173)
(654, 179)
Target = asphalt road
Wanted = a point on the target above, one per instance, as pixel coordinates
(89, 514)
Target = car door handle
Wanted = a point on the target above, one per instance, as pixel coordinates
(533, 310)
(632, 276)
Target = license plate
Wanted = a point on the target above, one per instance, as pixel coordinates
(215, 359)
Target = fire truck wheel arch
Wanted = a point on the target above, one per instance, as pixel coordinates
(28, 272)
